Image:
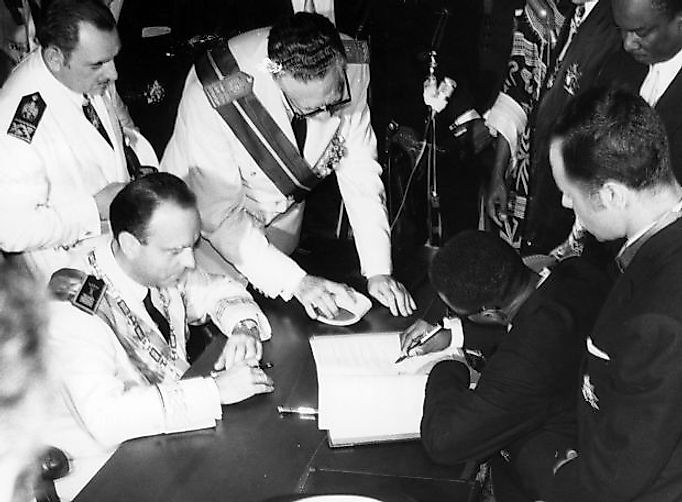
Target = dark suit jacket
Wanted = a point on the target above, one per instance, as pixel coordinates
(548, 222)
(529, 381)
(630, 431)
(669, 107)
(596, 43)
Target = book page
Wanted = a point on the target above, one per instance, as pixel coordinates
(357, 409)
(369, 354)
(363, 396)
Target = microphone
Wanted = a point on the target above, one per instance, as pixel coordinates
(436, 96)
(439, 31)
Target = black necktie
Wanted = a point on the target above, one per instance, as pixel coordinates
(91, 114)
(156, 316)
(300, 127)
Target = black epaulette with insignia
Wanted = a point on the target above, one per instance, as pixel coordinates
(27, 117)
(357, 51)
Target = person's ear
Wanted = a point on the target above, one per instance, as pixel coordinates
(54, 58)
(129, 244)
(613, 195)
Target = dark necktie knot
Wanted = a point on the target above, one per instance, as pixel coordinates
(158, 318)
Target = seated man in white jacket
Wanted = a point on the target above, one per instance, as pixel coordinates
(117, 335)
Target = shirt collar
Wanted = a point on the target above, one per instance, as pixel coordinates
(670, 67)
(630, 248)
(127, 287)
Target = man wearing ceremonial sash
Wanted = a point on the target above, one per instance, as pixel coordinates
(261, 121)
(117, 337)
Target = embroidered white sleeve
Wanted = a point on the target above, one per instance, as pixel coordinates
(226, 301)
(190, 404)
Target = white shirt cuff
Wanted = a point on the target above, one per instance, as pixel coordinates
(508, 118)
(454, 324)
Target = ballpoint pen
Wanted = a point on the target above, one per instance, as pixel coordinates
(419, 342)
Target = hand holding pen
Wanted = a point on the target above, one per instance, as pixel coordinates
(418, 342)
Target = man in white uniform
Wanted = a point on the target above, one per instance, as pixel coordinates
(234, 142)
(117, 337)
(62, 143)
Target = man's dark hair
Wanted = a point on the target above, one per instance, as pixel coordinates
(306, 45)
(612, 134)
(133, 207)
(477, 269)
(58, 24)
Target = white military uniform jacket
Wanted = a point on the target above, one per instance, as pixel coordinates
(239, 204)
(52, 167)
(104, 399)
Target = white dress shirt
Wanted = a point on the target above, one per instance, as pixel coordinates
(659, 78)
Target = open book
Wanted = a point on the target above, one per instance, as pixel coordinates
(363, 396)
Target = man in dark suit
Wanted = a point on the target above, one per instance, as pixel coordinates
(584, 63)
(648, 64)
(610, 159)
(526, 396)
(652, 35)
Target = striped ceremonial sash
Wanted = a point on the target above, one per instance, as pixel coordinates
(230, 92)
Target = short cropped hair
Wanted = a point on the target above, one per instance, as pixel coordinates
(306, 45)
(58, 24)
(133, 207)
(24, 396)
(612, 134)
(477, 269)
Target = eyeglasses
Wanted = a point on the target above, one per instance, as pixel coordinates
(331, 108)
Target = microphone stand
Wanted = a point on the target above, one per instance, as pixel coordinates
(433, 213)
(433, 217)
